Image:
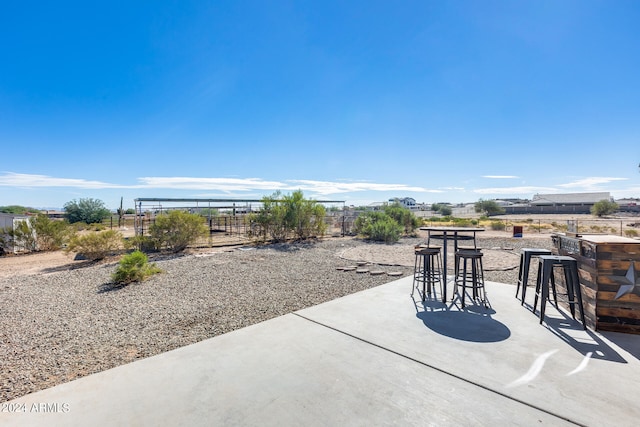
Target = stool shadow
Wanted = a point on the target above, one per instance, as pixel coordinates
(571, 332)
(473, 323)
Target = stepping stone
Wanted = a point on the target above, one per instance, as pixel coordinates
(362, 270)
(394, 273)
(376, 272)
(348, 268)
(361, 262)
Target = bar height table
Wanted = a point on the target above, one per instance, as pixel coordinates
(450, 233)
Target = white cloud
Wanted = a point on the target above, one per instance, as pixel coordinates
(515, 190)
(329, 187)
(591, 183)
(219, 184)
(10, 179)
(210, 185)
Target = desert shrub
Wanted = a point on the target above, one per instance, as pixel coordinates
(50, 234)
(461, 222)
(304, 217)
(497, 225)
(142, 243)
(134, 267)
(378, 226)
(403, 216)
(177, 230)
(96, 246)
(631, 233)
(288, 215)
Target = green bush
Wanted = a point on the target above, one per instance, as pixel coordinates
(291, 215)
(497, 225)
(403, 216)
(134, 267)
(96, 246)
(631, 233)
(50, 234)
(143, 243)
(387, 231)
(177, 230)
(378, 226)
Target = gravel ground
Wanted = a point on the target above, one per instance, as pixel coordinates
(63, 325)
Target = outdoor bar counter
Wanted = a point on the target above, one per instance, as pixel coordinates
(609, 270)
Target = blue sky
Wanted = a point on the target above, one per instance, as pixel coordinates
(346, 100)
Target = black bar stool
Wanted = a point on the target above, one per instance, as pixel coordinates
(427, 269)
(469, 273)
(546, 278)
(525, 261)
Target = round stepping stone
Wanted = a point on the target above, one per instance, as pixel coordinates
(376, 272)
(362, 270)
(348, 268)
(394, 273)
(362, 262)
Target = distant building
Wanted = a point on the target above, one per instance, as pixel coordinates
(405, 202)
(567, 199)
(566, 203)
(628, 205)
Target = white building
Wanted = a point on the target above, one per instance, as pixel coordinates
(9, 222)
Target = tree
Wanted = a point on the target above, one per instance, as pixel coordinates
(489, 207)
(604, 207)
(445, 210)
(88, 210)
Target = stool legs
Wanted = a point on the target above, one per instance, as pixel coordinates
(427, 269)
(546, 280)
(471, 260)
(523, 272)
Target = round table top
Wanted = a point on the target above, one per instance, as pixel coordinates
(448, 228)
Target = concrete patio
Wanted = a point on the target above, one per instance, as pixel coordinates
(377, 357)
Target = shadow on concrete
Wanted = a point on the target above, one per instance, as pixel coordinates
(628, 342)
(473, 323)
(571, 331)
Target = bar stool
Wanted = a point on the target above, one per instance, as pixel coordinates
(523, 272)
(427, 269)
(546, 277)
(469, 269)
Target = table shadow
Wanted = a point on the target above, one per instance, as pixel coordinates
(473, 323)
